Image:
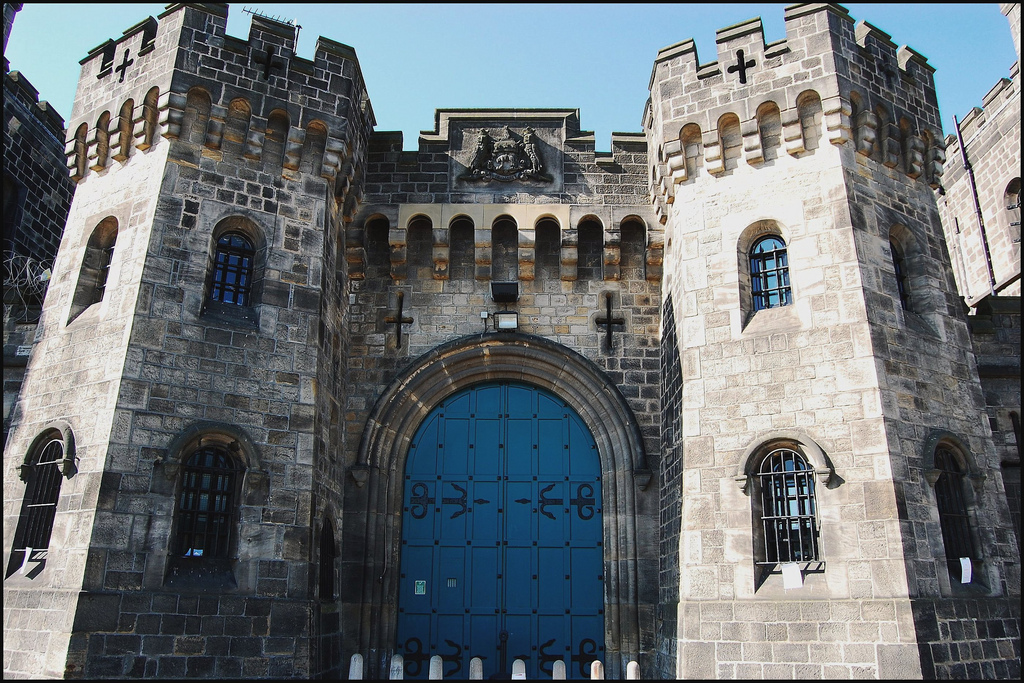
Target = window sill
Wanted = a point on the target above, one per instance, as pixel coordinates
(245, 317)
(201, 575)
(773, 320)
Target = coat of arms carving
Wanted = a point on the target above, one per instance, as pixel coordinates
(506, 158)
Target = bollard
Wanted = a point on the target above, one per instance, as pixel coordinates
(355, 668)
(436, 668)
(518, 670)
(632, 671)
(397, 672)
(558, 670)
(596, 670)
(476, 669)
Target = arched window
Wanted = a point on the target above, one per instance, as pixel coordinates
(419, 240)
(39, 507)
(548, 249)
(328, 554)
(233, 270)
(206, 506)
(92, 278)
(788, 508)
(769, 129)
(953, 518)
(899, 264)
(504, 250)
(591, 250)
(769, 273)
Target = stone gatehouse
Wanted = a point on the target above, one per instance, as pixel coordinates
(710, 402)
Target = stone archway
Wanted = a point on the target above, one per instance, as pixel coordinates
(374, 492)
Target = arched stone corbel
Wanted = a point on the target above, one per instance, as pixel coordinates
(792, 131)
(866, 132)
(915, 156)
(714, 161)
(836, 112)
(824, 473)
(171, 108)
(215, 127)
(751, 133)
(293, 148)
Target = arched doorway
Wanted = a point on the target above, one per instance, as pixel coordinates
(502, 536)
(371, 553)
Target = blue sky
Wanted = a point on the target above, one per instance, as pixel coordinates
(593, 57)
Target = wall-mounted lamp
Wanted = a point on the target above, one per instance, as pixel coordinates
(505, 292)
(506, 320)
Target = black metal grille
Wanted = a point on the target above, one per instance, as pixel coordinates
(206, 507)
(949, 495)
(899, 264)
(769, 274)
(40, 505)
(232, 270)
(788, 508)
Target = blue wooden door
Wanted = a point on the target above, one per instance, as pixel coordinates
(501, 537)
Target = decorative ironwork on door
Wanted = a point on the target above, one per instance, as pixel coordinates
(502, 553)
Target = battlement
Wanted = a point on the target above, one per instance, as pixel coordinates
(1005, 93)
(17, 86)
(830, 78)
(181, 77)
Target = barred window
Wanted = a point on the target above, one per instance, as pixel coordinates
(232, 270)
(949, 496)
(899, 264)
(207, 504)
(39, 507)
(769, 273)
(788, 508)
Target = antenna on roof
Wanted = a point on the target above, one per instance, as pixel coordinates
(274, 17)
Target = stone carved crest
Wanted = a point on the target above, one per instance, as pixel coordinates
(506, 158)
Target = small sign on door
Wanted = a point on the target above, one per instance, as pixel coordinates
(419, 588)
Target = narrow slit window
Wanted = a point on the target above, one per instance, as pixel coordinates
(899, 264)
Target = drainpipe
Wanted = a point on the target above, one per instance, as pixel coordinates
(977, 207)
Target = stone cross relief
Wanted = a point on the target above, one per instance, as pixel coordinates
(741, 66)
(123, 67)
(608, 320)
(398, 320)
(268, 60)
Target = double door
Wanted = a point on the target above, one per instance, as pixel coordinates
(502, 555)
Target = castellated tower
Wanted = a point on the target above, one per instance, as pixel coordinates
(832, 501)
(184, 359)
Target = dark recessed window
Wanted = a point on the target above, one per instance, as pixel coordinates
(232, 270)
(788, 508)
(769, 273)
(207, 504)
(328, 553)
(899, 264)
(949, 496)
